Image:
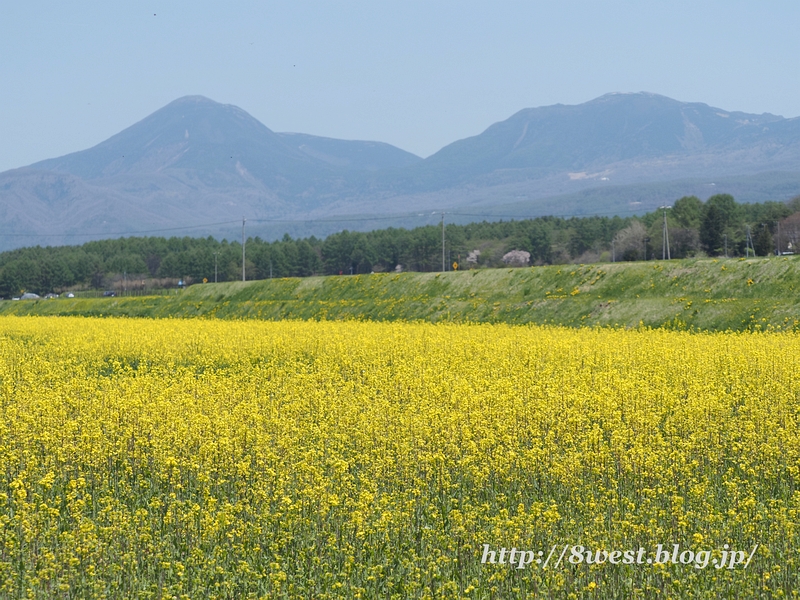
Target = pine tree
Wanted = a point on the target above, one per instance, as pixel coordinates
(712, 230)
(762, 243)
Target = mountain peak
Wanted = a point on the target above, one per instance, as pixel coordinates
(190, 132)
(197, 160)
(629, 94)
(200, 103)
(639, 128)
(626, 97)
(214, 140)
(193, 99)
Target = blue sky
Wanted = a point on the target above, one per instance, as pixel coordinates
(415, 74)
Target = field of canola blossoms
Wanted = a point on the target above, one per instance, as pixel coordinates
(208, 459)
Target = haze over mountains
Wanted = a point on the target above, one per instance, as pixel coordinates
(199, 162)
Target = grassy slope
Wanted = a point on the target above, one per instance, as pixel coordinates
(702, 293)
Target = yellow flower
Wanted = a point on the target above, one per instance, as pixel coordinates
(342, 459)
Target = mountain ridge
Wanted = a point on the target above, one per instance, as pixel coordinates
(196, 160)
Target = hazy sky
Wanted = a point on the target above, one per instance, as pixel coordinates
(415, 74)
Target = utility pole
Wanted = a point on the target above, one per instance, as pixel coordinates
(726, 245)
(749, 245)
(444, 268)
(613, 252)
(215, 266)
(270, 268)
(243, 221)
(665, 237)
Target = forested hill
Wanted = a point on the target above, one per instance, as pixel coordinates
(715, 227)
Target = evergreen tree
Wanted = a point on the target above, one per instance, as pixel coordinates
(762, 243)
(712, 230)
(687, 212)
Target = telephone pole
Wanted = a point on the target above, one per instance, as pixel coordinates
(443, 261)
(215, 266)
(243, 222)
(665, 237)
(749, 245)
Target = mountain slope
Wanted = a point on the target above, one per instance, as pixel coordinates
(194, 132)
(350, 154)
(196, 161)
(622, 137)
(191, 132)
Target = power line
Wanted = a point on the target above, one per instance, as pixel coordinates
(749, 246)
(449, 212)
(60, 235)
(218, 223)
(340, 219)
(443, 263)
(557, 215)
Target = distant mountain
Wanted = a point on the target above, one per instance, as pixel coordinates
(617, 137)
(351, 155)
(193, 161)
(197, 134)
(223, 146)
(196, 162)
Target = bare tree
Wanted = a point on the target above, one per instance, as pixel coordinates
(629, 242)
(517, 258)
(790, 233)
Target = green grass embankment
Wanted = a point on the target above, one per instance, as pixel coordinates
(706, 294)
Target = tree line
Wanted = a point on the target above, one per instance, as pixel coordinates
(715, 227)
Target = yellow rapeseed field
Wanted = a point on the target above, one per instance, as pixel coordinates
(209, 459)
